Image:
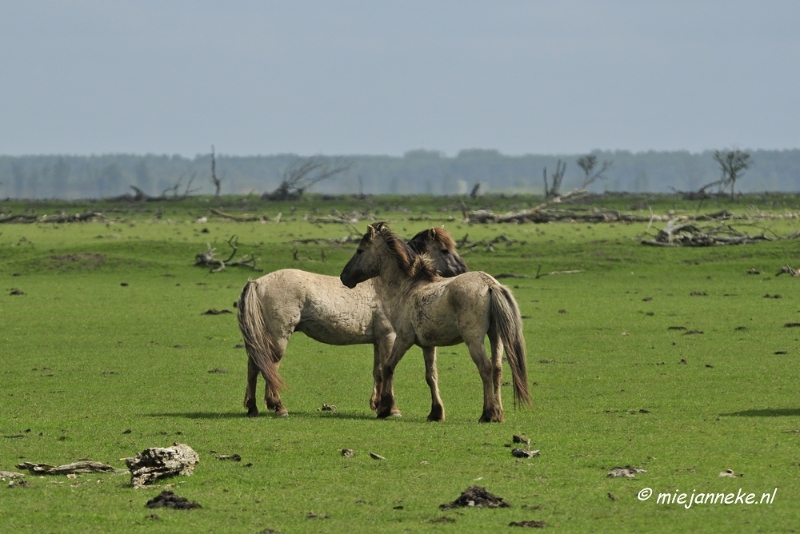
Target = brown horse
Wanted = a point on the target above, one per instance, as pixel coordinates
(271, 308)
(430, 311)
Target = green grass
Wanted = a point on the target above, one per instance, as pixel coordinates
(86, 359)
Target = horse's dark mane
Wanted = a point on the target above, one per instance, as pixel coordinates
(438, 234)
(416, 265)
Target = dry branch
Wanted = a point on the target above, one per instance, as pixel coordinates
(239, 218)
(209, 258)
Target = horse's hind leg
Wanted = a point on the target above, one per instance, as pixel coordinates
(492, 411)
(376, 377)
(432, 378)
(250, 392)
(271, 397)
(497, 369)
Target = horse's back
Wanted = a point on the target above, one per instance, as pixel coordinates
(318, 305)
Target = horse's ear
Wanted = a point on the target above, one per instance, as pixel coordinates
(371, 231)
(432, 234)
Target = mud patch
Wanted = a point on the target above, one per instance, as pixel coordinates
(81, 261)
(478, 497)
(167, 499)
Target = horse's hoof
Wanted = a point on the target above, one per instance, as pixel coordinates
(383, 414)
(436, 418)
(496, 418)
(281, 412)
(437, 414)
(253, 412)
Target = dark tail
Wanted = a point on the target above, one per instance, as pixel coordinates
(508, 324)
(256, 340)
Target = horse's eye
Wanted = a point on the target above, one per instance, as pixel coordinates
(445, 251)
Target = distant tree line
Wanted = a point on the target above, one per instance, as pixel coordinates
(416, 172)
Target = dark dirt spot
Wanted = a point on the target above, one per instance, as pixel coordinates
(682, 362)
(562, 311)
(153, 517)
(167, 499)
(127, 431)
(547, 361)
(647, 299)
(676, 328)
(791, 325)
(709, 366)
(217, 370)
(312, 515)
(270, 531)
(768, 296)
(644, 411)
(19, 484)
(178, 346)
(476, 496)
(214, 311)
(698, 294)
(15, 291)
(690, 332)
(124, 284)
(740, 328)
(238, 346)
(781, 352)
(234, 457)
(443, 519)
(531, 524)
(650, 313)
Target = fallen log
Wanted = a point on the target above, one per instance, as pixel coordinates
(68, 469)
(239, 218)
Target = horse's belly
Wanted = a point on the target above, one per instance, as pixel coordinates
(340, 326)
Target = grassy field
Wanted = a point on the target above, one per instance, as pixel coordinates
(108, 352)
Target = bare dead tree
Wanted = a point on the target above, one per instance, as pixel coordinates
(557, 178)
(588, 164)
(475, 189)
(733, 164)
(303, 173)
(215, 181)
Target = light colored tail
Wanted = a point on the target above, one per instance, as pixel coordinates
(256, 339)
(507, 322)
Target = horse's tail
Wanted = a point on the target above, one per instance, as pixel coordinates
(256, 339)
(507, 322)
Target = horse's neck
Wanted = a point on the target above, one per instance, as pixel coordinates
(392, 283)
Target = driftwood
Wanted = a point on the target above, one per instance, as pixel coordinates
(209, 258)
(156, 462)
(786, 269)
(486, 216)
(67, 469)
(60, 218)
(689, 234)
(239, 218)
(465, 245)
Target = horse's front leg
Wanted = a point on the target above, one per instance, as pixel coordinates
(432, 378)
(492, 410)
(250, 393)
(376, 377)
(387, 406)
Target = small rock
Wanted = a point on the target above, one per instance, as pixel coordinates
(628, 472)
(348, 453)
(522, 453)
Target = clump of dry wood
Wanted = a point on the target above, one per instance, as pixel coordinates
(691, 234)
(210, 259)
(157, 462)
(60, 218)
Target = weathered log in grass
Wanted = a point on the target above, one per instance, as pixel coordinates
(209, 258)
(157, 462)
(239, 218)
(689, 234)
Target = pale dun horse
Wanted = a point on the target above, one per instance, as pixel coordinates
(431, 311)
(280, 303)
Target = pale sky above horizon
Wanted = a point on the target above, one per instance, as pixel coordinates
(372, 77)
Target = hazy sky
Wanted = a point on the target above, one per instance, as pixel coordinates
(376, 77)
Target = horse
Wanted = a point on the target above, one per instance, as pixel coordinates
(430, 311)
(280, 303)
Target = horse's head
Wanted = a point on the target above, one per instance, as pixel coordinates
(365, 263)
(440, 247)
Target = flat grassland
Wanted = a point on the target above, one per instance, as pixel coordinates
(108, 352)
